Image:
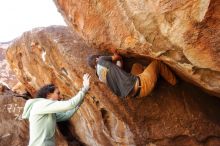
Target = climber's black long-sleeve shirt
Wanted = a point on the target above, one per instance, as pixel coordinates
(119, 81)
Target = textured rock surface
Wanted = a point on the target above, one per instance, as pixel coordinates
(7, 77)
(13, 131)
(184, 34)
(169, 116)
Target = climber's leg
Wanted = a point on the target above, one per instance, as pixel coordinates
(148, 78)
(166, 73)
(137, 69)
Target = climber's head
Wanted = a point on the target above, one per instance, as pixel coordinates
(92, 60)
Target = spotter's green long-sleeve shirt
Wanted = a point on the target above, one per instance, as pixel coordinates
(43, 115)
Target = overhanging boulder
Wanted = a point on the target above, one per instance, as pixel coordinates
(168, 116)
(184, 34)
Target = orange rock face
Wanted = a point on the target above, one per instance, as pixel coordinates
(184, 34)
(169, 116)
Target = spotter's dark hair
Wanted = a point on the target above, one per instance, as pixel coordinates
(45, 90)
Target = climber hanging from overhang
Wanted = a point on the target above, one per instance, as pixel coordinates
(139, 83)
